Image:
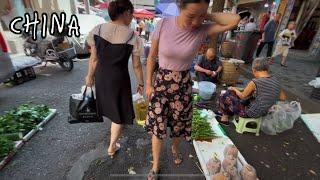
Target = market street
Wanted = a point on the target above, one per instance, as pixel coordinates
(52, 152)
(231, 92)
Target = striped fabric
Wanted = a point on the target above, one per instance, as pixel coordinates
(266, 95)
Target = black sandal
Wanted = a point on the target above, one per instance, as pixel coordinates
(225, 123)
(152, 175)
(177, 157)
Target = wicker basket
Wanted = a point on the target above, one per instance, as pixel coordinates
(227, 49)
(231, 72)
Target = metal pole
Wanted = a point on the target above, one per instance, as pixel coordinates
(87, 6)
(73, 7)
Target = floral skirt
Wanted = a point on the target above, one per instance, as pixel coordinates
(230, 104)
(171, 105)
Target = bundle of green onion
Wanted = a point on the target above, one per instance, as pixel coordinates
(201, 128)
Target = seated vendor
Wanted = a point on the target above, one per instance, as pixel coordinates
(261, 93)
(208, 67)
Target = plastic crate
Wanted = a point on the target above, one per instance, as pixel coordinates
(23, 75)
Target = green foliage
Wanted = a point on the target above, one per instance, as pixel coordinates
(17, 123)
(6, 146)
(201, 128)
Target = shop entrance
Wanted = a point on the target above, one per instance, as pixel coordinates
(305, 38)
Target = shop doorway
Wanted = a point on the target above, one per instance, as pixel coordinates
(305, 38)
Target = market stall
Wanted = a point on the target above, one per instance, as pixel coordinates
(142, 13)
(218, 156)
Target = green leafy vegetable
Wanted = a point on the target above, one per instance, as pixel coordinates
(6, 146)
(18, 122)
(201, 128)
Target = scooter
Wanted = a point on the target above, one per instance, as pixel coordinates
(57, 50)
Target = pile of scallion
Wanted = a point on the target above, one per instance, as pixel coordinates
(201, 128)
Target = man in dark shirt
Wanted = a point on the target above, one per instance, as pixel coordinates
(208, 67)
(268, 36)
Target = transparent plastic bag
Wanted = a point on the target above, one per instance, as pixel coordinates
(140, 107)
(315, 83)
(281, 117)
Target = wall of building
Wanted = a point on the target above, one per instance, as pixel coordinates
(4, 5)
(315, 47)
(286, 16)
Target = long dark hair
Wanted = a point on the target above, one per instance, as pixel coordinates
(184, 3)
(118, 7)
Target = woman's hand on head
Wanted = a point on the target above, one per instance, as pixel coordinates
(223, 22)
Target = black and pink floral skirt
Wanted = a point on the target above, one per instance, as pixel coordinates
(230, 104)
(171, 105)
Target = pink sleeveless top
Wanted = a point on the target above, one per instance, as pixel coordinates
(177, 46)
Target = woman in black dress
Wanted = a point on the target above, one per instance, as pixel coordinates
(111, 47)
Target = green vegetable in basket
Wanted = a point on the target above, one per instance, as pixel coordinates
(18, 122)
(6, 146)
(22, 119)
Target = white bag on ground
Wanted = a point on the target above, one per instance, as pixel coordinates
(281, 118)
(315, 83)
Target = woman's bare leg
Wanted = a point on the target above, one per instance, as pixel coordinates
(283, 60)
(156, 152)
(116, 130)
(175, 149)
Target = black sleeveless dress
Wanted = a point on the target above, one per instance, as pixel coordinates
(112, 81)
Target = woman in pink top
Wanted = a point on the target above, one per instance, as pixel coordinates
(176, 41)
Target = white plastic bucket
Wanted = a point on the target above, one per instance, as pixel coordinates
(206, 89)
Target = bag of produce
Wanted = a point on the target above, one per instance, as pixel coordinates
(82, 108)
(221, 176)
(233, 172)
(229, 160)
(231, 150)
(140, 107)
(248, 172)
(281, 117)
(214, 166)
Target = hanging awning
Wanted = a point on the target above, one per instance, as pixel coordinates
(168, 9)
(142, 13)
(249, 1)
(104, 5)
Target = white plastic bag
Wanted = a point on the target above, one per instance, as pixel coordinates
(137, 97)
(281, 118)
(88, 91)
(315, 83)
